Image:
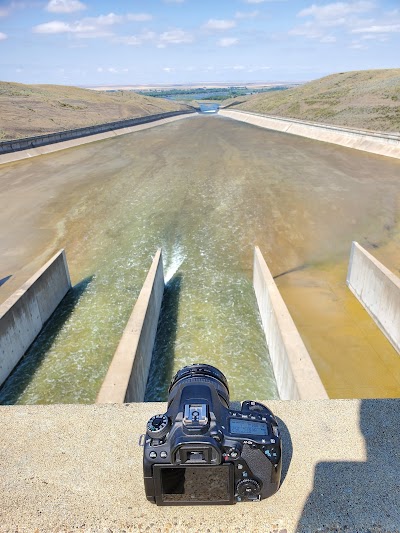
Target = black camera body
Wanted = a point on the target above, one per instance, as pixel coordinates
(203, 452)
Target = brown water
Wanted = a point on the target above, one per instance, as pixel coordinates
(207, 190)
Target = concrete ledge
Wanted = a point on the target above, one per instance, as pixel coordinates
(295, 373)
(69, 139)
(129, 369)
(79, 468)
(378, 290)
(25, 312)
(375, 143)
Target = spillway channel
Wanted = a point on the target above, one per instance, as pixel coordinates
(206, 190)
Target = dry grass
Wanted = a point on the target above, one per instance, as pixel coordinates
(27, 110)
(368, 99)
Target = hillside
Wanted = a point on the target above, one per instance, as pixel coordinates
(27, 110)
(367, 99)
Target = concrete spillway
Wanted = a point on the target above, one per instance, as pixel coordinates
(205, 189)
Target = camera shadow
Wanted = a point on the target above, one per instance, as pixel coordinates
(162, 362)
(361, 495)
(287, 448)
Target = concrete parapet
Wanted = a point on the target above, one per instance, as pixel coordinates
(295, 374)
(378, 290)
(79, 467)
(25, 148)
(129, 369)
(24, 313)
(376, 143)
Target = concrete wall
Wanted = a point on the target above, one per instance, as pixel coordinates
(25, 148)
(295, 374)
(24, 313)
(375, 143)
(129, 369)
(378, 290)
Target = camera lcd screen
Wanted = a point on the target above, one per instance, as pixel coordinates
(238, 426)
(208, 484)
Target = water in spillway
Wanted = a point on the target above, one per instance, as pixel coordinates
(188, 205)
(206, 189)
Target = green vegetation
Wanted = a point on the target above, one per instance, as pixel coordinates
(209, 93)
(367, 99)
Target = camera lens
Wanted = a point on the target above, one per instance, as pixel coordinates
(200, 371)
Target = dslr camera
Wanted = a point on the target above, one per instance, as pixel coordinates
(203, 452)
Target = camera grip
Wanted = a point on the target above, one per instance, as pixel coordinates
(263, 468)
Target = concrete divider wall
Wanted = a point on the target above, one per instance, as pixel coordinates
(295, 374)
(24, 313)
(127, 375)
(41, 140)
(376, 143)
(378, 290)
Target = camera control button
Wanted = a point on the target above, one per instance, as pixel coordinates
(234, 453)
(163, 455)
(153, 455)
(248, 488)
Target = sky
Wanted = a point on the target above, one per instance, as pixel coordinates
(134, 42)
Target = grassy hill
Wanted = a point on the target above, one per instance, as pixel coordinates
(27, 110)
(367, 99)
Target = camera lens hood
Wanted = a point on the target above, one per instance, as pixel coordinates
(199, 371)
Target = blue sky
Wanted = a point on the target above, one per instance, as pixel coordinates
(87, 42)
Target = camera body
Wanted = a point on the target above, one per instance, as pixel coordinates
(203, 452)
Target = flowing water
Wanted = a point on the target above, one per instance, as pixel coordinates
(205, 189)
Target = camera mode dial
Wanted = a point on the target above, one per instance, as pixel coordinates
(248, 488)
(158, 426)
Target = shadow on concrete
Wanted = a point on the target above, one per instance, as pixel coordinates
(2, 281)
(162, 363)
(23, 373)
(360, 496)
(287, 448)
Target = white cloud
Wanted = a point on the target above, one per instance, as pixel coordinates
(137, 40)
(219, 24)
(176, 36)
(4, 11)
(55, 26)
(227, 41)
(336, 10)
(246, 15)
(65, 6)
(3, 36)
(89, 27)
(139, 17)
(388, 28)
(334, 15)
(168, 69)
